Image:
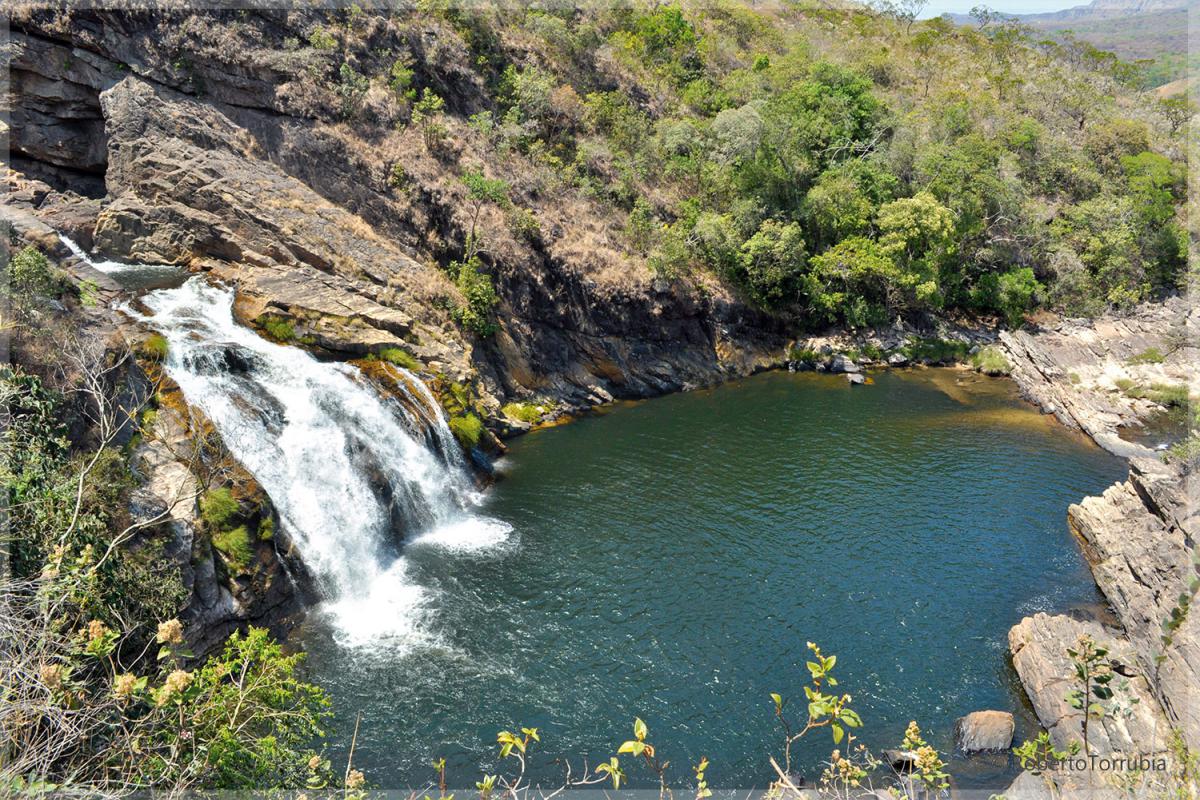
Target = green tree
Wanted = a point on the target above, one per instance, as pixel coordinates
(481, 191)
(771, 264)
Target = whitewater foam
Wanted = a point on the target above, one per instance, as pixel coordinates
(343, 467)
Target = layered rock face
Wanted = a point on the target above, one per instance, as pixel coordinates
(1140, 536)
(1077, 368)
(227, 155)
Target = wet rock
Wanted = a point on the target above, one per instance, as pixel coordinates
(981, 731)
(856, 378)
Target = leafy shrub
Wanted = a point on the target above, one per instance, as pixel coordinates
(218, 507)
(30, 275)
(467, 428)
(1017, 292)
(351, 88)
(771, 263)
(523, 224)
(480, 296)
(400, 357)
(235, 545)
(525, 412)
(321, 39)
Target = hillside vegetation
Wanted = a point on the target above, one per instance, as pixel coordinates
(834, 166)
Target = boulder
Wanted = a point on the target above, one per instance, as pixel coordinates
(843, 363)
(982, 731)
(897, 360)
(856, 378)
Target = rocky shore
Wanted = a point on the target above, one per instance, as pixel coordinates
(1140, 536)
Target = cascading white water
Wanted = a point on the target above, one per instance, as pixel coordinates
(342, 466)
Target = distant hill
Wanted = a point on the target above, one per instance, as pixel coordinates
(1136, 30)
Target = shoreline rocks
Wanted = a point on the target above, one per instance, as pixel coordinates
(1139, 536)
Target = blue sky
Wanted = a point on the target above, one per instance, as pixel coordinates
(937, 7)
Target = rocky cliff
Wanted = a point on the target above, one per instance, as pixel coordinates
(1140, 535)
(203, 140)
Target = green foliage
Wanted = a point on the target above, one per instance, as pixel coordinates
(251, 717)
(278, 328)
(935, 351)
(426, 114)
(154, 347)
(1165, 394)
(480, 298)
(1039, 755)
(30, 276)
(1151, 355)
(400, 357)
(235, 545)
(523, 224)
(400, 76)
(524, 412)
(398, 177)
(990, 360)
(218, 507)
(770, 264)
(467, 428)
(321, 39)
(1017, 291)
(351, 88)
(1093, 674)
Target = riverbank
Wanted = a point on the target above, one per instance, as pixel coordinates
(1139, 536)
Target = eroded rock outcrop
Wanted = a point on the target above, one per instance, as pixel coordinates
(1038, 646)
(1078, 369)
(1140, 535)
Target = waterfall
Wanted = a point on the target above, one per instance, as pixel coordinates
(344, 467)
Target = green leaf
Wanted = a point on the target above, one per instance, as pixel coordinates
(633, 748)
(639, 729)
(838, 733)
(778, 701)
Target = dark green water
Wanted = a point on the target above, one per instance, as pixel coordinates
(671, 559)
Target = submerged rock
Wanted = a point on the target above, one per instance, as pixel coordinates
(981, 731)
